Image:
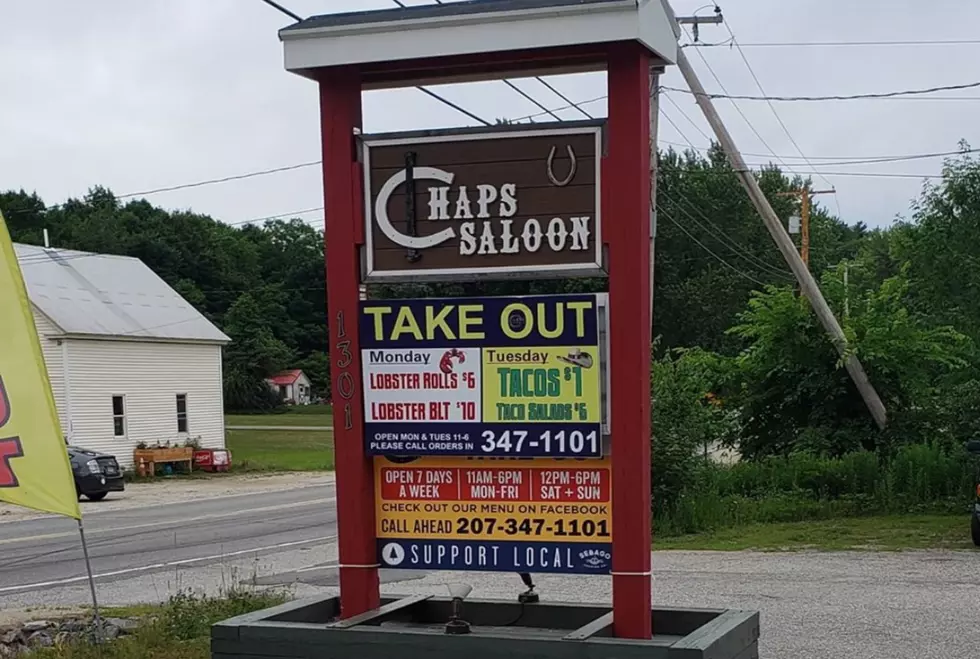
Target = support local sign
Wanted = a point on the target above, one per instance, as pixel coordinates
(505, 203)
(540, 515)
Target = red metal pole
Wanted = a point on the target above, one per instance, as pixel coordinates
(340, 114)
(626, 222)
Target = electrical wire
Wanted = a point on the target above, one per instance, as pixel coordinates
(734, 105)
(711, 227)
(661, 212)
(841, 97)
(804, 44)
(519, 91)
(779, 119)
(686, 116)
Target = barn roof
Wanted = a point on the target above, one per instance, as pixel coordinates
(84, 293)
(286, 377)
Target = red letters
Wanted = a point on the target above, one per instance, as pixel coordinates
(9, 448)
(4, 405)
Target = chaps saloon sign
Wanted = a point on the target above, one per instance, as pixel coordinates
(490, 204)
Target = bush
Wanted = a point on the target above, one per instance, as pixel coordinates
(802, 486)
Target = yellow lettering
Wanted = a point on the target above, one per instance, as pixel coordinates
(559, 319)
(505, 324)
(378, 313)
(579, 308)
(470, 321)
(432, 321)
(405, 324)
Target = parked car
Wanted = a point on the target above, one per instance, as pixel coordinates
(96, 474)
(973, 446)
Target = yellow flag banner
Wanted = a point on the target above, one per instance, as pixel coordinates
(34, 467)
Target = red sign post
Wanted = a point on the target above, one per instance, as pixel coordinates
(627, 42)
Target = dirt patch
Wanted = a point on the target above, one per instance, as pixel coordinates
(164, 491)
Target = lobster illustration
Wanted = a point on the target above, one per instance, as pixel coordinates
(446, 363)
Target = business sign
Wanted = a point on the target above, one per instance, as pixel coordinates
(509, 202)
(540, 515)
(495, 376)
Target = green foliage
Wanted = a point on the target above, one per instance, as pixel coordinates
(802, 486)
(179, 629)
(686, 418)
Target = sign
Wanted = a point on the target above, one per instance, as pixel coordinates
(504, 203)
(34, 468)
(505, 376)
(540, 515)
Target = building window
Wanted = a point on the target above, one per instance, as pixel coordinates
(181, 412)
(119, 416)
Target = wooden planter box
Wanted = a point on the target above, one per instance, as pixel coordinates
(151, 456)
(413, 628)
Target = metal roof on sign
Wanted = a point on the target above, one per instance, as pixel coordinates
(422, 12)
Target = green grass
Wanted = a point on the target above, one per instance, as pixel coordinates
(179, 629)
(281, 450)
(323, 418)
(889, 532)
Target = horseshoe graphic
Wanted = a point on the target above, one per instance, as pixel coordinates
(571, 171)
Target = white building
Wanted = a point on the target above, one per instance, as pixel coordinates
(129, 359)
(292, 386)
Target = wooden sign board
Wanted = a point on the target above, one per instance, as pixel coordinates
(494, 203)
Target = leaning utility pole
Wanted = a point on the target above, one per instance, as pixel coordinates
(778, 233)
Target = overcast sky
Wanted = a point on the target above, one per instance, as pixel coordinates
(155, 93)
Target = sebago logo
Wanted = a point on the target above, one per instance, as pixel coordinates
(596, 559)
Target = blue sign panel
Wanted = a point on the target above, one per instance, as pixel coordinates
(496, 376)
(491, 556)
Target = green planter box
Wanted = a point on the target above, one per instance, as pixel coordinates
(413, 628)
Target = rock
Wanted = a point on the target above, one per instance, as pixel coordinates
(124, 625)
(40, 639)
(8, 651)
(10, 637)
(110, 631)
(36, 626)
(74, 626)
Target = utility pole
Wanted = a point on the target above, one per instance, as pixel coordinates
(804, 196)
(778, 232)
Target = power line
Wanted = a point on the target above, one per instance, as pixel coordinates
(733, 245)
(224, 179)
(849, 160)
(276, 5)
(849, 97)
(538, 78)
(779, 119)
(431, 93)
(736, 106)
(564, 98)
(531, 98)
(821, 44)
(686, 116)
(680, 226)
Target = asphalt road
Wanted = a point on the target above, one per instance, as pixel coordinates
(814, 605)
(41, 554)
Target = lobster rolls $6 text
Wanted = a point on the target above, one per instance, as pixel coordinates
(505, 376)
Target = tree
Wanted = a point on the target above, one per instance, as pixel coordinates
(253, 355)
(794, 393)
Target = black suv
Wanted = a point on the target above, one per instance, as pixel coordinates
(96, 474)
(973, 446)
